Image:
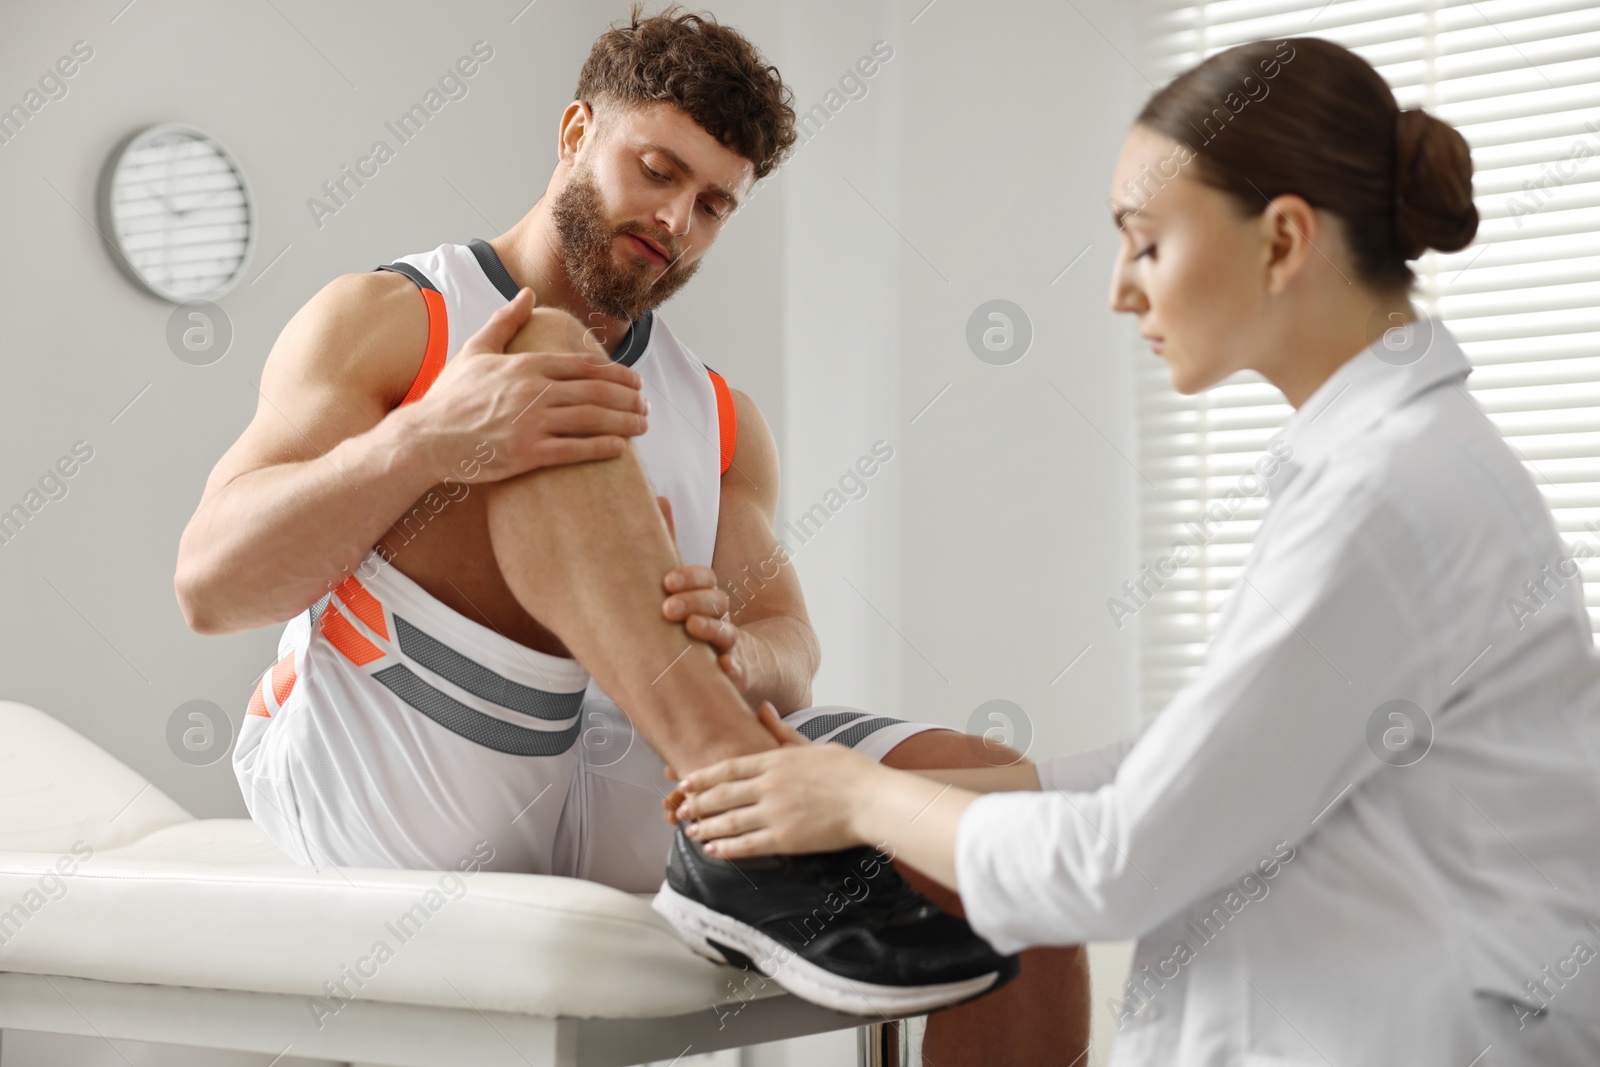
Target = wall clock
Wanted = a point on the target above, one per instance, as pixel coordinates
(177, 211)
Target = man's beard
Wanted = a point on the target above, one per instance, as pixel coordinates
(621, 292)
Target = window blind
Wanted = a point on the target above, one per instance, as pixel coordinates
(1521, 80)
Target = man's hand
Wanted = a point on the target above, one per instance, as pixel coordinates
(702, 607)
(563, 401)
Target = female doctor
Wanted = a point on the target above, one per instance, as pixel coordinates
(1369, 832)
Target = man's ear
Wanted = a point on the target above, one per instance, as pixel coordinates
(1292, 231)
(577, 123)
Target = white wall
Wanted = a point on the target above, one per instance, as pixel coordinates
(975, 167)
(1016, 505)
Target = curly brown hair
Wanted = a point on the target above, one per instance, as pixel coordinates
(709, 71)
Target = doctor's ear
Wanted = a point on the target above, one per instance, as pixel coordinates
(1292, 232)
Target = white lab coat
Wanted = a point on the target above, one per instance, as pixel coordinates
(1297, 899)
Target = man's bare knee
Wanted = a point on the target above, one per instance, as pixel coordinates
(551, 329)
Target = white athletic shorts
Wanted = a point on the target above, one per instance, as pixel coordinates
(395, 732)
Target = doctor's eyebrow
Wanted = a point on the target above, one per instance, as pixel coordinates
(1121, 212)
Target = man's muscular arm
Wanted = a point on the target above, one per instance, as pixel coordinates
(318, 475)
(329, 461)
(775, 646)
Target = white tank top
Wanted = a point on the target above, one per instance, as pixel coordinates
(692, 429)
(341, 749)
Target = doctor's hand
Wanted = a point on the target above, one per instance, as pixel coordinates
(781, 731)
(794, 799)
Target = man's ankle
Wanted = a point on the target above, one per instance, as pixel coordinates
(695, 718)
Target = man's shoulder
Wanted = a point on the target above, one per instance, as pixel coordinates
(373, 320)
(366, 292)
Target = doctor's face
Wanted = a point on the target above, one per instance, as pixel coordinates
(1190, 265)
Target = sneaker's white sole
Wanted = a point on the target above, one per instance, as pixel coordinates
(698, 925)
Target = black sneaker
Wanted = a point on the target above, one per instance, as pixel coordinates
(840, 929)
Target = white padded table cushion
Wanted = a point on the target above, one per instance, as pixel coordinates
(57, 787)
(213, 903)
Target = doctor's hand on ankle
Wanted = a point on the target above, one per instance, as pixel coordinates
(794, 799)
(782, 731)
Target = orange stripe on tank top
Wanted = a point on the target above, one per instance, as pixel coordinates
(433, 355)
(727, 418)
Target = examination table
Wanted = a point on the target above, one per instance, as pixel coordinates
(123, 916)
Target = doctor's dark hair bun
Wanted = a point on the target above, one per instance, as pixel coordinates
(1433, 185)
(1308, 117)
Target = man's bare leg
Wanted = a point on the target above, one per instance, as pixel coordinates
(584, 548)
(1043, 1015)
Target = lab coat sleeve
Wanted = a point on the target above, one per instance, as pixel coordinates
(1330, 622)
(1078, 772)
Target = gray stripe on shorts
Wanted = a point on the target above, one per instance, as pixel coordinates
(814, 728)
(474, 725)
(479, 680)
(852, 737)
